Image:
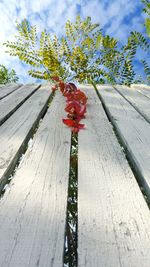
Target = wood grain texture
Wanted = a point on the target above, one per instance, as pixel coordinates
(12, 102)
(113, 218)
(139, 101)
(33, 211)
(8, 89)
(133, 130)
(142, 89)
(16, 131)
(139, 85)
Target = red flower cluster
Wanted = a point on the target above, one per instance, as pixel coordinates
(76, 102)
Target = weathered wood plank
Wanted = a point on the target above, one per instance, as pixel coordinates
(132, 129)
(142, 88)
(140, 102)
(13, 101)
(113, 218)
(33, 211)
(8, 89)
(16, 131)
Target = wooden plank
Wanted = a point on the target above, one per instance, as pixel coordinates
(16, 131)
(8, 89)
(140, 102)
(13, 101)
(113, 218)
(139, 85)
(133, 131)
(142, 89)
(33, 211)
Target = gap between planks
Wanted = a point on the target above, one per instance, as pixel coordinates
(33, 211)
(133, 131)
(12, 102)
(18, 129)
(139, 101)
(142, 89)
(8, 89)
(113, 218)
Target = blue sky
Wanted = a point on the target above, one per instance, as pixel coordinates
(116, 17)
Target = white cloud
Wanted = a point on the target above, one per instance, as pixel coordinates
(96, 11)
(52, 14)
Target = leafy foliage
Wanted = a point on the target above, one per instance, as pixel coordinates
(84, 54)
(147, 11)
(7, 76)
(147, 71)
(136, 40)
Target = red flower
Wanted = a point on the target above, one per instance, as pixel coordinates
(69, 88)
(76, 103)
(55, 78)
(73, 107)
(78, 96)
(61, 85)
(73, 124)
